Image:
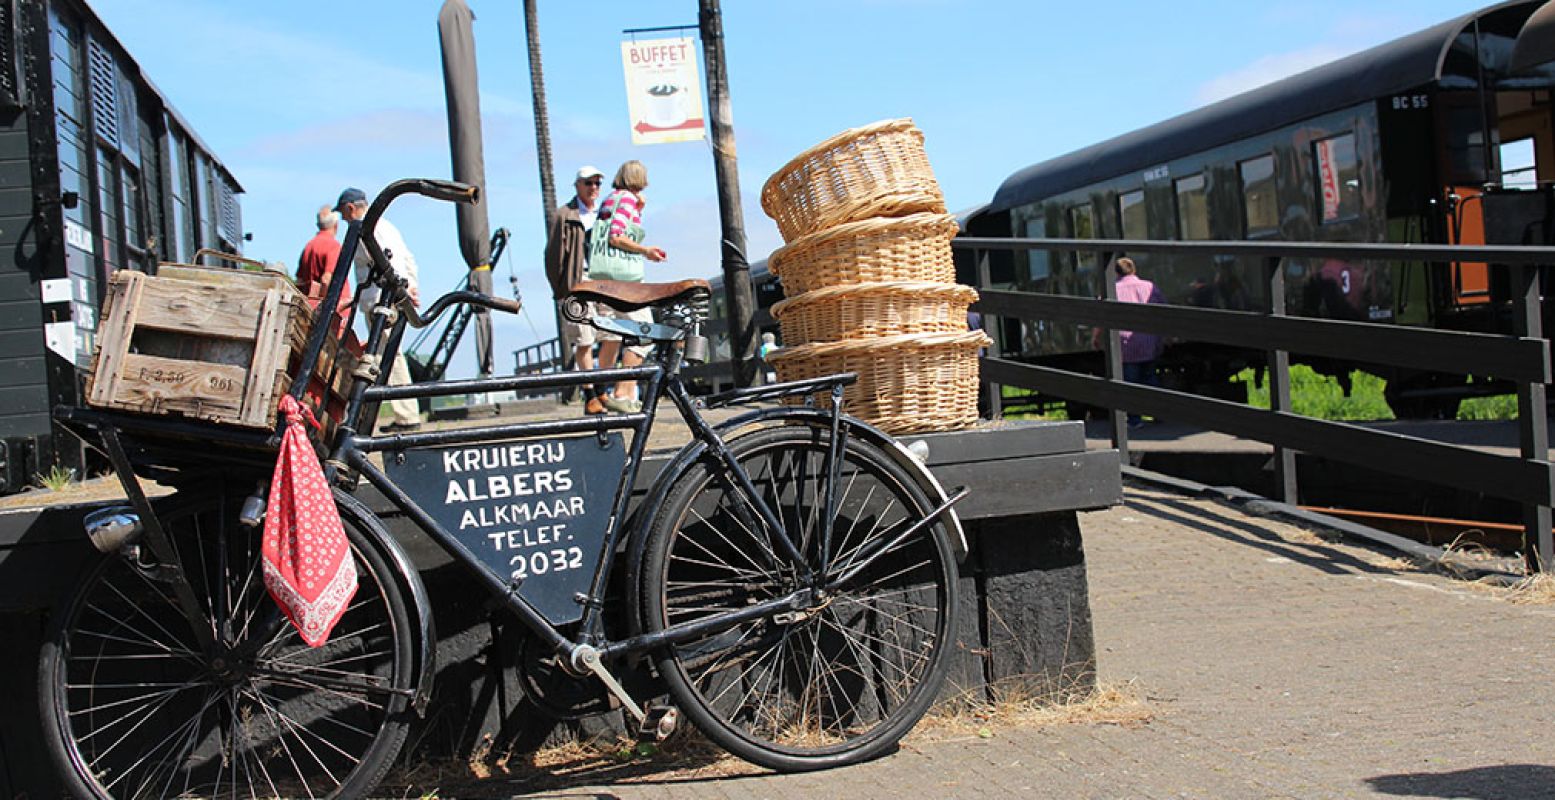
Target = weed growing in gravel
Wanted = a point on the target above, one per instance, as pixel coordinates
(57, 478)
(1121, 703)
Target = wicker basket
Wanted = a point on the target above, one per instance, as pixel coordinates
(907, 383)
(867, 310)
(911, 248)
(878, 170)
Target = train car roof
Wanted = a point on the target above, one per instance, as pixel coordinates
(965, 215)
(1403, 64)
(86, 9)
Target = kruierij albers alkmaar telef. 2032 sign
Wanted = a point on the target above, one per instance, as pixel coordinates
(533, 512)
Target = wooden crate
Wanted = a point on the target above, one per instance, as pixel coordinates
(213, 344)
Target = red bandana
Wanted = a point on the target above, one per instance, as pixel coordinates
(308, 565)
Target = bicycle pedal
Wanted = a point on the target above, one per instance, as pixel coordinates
(659, 724)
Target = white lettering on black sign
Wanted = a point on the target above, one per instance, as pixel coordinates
(534, 513)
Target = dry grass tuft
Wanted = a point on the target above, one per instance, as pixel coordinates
(1121, 704)
(1534, 590)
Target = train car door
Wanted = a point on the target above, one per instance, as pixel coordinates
(1464, 131)
(1470, 279)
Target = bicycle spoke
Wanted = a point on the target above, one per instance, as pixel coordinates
(136, 608)
(288, 724)
(846, 678)
(143, 712)
(192, 723)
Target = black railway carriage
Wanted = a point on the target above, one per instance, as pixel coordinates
(1431, 138)
(716, 375)
(97, 173)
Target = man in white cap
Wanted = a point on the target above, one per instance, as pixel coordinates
(566, 253)
(353, 207)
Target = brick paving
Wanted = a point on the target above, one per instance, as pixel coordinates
(1276, 665)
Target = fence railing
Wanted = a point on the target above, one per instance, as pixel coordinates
(1522, 358)
(537, 358)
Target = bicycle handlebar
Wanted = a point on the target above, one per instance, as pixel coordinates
(360, 234)
(418, 320)
(452, 191)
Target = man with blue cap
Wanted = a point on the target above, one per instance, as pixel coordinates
(353, 207)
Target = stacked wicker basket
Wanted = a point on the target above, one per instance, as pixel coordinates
(869, 280)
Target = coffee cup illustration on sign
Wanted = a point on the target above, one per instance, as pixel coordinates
(666, 107)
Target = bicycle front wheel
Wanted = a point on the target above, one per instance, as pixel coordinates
(836, 683)
(135, 706)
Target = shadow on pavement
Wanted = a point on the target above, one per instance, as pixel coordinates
(1234, 528)
(1503, 782)
(581, 774)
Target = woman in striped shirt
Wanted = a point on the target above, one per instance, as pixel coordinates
(616, 253)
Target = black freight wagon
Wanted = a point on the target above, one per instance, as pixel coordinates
(98, 173)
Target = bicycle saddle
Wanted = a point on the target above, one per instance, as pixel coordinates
(628, 296)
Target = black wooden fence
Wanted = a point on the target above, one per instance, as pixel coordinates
(1522, 357)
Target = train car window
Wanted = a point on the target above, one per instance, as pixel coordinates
(1082, 224)
(66, 43)
(1192, 208)
(1462, 133)
(1131, 212)
(134, 227)
(1338, 178)
(1259, 205)
(108, 205)
(181, 249)
(1039, 263)
(1517, 164)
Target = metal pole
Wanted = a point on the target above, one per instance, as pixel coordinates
(736, 269)
(1279, 382)
(542, 140)
(1112, 358)
(1532, 421)
(542, 117)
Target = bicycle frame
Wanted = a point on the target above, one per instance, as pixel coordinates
(660, 375)
(661, 380)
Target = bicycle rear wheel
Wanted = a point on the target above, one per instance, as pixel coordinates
(833, 684)
(134, 706)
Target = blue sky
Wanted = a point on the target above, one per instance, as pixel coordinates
(301, 99)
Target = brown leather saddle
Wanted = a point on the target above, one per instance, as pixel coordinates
(629, 296)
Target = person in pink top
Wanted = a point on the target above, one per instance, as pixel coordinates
(1140, 349)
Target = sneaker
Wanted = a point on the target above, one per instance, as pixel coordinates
(400, 427)
(594, 406)
(623, 405)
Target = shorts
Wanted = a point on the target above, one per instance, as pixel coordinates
(575, 334)
(640, 315)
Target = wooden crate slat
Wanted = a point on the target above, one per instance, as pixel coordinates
(123, 301)
(193, 388)
(201, 309)
(267, 359)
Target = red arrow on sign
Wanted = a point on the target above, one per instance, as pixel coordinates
(643, 127)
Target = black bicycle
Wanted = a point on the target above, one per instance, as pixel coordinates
(789, 576)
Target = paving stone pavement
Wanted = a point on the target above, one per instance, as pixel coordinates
(1276, 665)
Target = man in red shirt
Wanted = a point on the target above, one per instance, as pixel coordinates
(317, 265)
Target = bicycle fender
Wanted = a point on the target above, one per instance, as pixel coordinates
(885, 441)
(425, 666)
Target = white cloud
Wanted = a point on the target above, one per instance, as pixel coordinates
(1266, 70)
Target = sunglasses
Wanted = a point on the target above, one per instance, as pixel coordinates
(595, 181)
